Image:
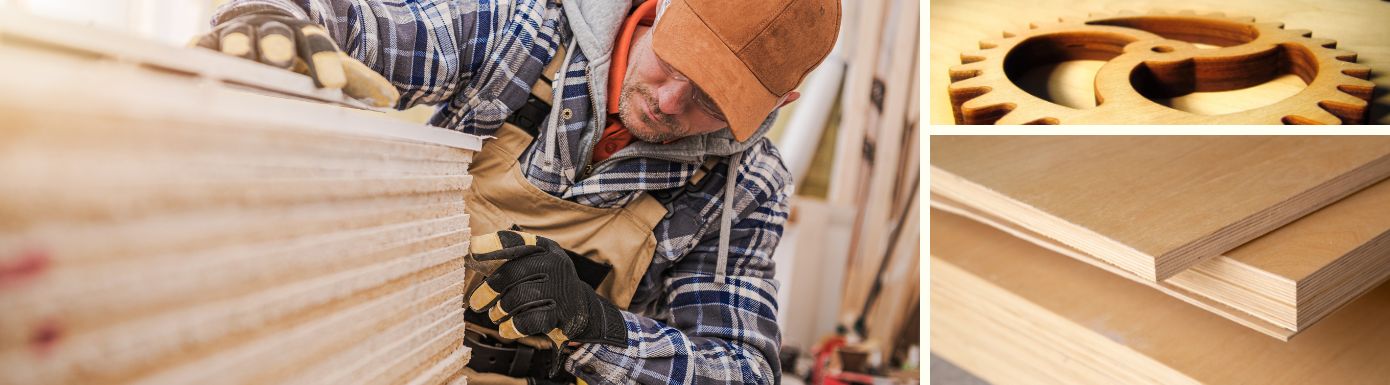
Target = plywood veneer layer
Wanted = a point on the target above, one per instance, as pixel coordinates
(1291, 277)
(1012, 312)
(1154, 205)
(161, 224)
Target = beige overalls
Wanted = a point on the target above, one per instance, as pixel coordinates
(501, 197)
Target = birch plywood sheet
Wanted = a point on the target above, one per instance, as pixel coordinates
(177, 228)
(999, 311)
(1278, 284)
(1154, 206)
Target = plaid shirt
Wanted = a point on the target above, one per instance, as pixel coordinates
(476, 60)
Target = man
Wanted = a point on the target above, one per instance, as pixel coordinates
(626, 206)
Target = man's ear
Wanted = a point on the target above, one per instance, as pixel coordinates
(789, 98)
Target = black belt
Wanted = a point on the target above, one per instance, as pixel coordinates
(513, 359)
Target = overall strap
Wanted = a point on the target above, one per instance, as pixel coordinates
(531, 114)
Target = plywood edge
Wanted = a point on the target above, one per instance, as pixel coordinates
(1138, 263)
(47, 50)
(1005, 339)
(1274, 217)
(1245, 316)
(1352, 277)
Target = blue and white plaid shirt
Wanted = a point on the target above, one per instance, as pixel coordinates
(476, 60)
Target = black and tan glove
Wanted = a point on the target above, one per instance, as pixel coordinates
(281, 40)
(537, 292)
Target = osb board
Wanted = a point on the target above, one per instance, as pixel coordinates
(1154, 206)
(1012, 312)
(958, 25)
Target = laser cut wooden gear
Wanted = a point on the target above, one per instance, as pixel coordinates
(1152, 55)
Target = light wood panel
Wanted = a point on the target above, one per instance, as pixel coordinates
(163, 224)
(1012, 312)
(1344, 244)
(959, 25)
(1154, 206)
(875, 215)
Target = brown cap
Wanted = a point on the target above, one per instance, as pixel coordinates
(745, 54)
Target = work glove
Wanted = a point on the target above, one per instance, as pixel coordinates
(282, 40)
(536, 291)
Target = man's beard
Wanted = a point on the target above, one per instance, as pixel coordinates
(630, 114)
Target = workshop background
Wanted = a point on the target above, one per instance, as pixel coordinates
(848, 263)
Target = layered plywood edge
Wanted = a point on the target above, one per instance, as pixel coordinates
(1279, 284)
(1154, 206)
(1015, 313)
(163, 222)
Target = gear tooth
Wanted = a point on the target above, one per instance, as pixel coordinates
(1348, 110)
(971, 57)
(1315, 116)
(1241, 19)
(1353, 93)
(987, 99)
(969, 84)
(1271, 24)
(990, 43)
(1359, 71)
(1301, 32)
(966, 71)
(1343, 55)
(1215, 14)
(1017, 117)
(1359, 88)
(1034, 25)
(1008, 34)
(1320, 42)
(978, 112)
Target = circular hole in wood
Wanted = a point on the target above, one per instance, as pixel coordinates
(1070, 83)
(1162, 49)
(1061, 67)
(1218, 86)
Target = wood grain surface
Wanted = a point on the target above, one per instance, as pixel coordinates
(957, 26)
(1154, 205)
(1014, 313)
(1280, 283)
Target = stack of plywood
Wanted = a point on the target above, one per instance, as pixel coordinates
(1274, 233)
(173, 216)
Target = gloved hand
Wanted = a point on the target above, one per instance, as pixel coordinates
(281, 40)
(537, 292)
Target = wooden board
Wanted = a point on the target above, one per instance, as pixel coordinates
(1265, 284)
(162, 225)
(958, 27)
(1154, 206)
(871, 235)
(1013, 313)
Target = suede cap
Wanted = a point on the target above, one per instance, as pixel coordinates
(746, 55)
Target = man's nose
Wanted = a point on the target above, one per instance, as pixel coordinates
(673, 96)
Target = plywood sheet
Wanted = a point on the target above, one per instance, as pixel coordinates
(1153, 205)
(1289, 278)
(175, 224)
(1012, 312)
